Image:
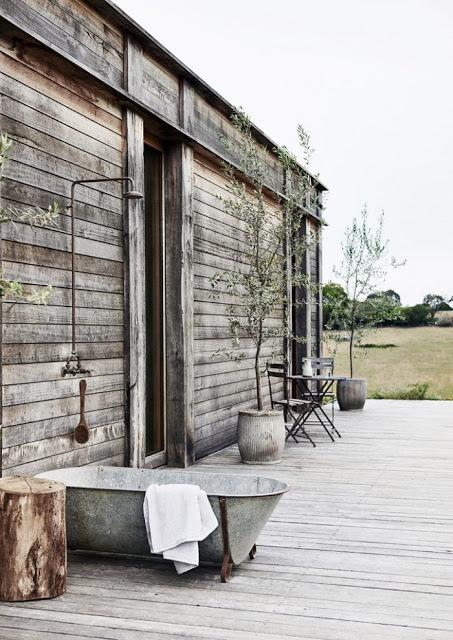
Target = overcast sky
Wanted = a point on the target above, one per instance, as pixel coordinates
(372, 81)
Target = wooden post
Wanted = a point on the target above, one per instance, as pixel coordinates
(1, 353)
(307, 293)
(178, 178)
(135, 243)
(133, 67)
(302, 324)
(136, 293)
(186, 105)
(288, 342)
(320, 310)
(32, 539)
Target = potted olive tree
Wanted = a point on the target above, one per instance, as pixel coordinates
(259, 279)
(358, 308)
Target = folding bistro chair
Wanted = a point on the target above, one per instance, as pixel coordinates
(292, 407)
(317, 394)
(324, 366)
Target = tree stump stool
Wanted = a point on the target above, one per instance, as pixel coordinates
(32, 538)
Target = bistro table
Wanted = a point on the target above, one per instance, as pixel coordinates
(323, 387)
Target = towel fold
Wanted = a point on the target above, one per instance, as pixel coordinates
(177, 517)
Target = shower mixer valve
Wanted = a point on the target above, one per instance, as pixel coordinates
(73, 366)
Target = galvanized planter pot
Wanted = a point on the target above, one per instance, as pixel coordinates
(351, 394)
(261, 436)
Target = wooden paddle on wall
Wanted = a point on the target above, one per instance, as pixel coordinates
(81, 432)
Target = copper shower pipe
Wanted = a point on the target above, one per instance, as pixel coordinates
(73, 365)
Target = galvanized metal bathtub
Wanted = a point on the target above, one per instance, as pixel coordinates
(104, 509)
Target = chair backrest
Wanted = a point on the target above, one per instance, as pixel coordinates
(277, 370)
(322, 365)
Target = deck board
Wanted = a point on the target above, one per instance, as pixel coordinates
(361, 547)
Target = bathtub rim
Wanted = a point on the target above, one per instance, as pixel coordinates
(283, 486)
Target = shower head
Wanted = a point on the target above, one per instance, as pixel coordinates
(132, 195)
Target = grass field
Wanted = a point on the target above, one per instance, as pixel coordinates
(420, 355)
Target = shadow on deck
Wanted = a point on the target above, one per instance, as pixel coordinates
(360, 548)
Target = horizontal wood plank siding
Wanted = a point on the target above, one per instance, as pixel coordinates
(62, 133)
(160, 89)
(222, 387)
(76, 29)
(209, 125)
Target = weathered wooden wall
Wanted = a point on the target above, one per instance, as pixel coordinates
(74, 28)
(63, 130)
(222, 386)
(65, 103)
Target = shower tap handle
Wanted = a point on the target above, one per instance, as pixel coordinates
(73, 366)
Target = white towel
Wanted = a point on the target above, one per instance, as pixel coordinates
(177, 517)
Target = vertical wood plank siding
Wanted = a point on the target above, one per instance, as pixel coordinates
(178, 190)
(63, 130)
(315, 274)
(222, 387)
(136, 293)
(135, 284)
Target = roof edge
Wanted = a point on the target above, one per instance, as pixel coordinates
(120, 17)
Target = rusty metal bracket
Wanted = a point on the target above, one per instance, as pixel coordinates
(227, 562)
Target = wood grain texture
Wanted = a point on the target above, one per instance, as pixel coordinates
(160, 89)
(178, 180)
(16, 457)
(51, 24)
(222, 387)
(1, 341)
(88, 28)
(17, 353)
(186, 106)
(62, 82)
(133, 66)
(32, 539)
(51, 427)
(135, 231)
(75, 457)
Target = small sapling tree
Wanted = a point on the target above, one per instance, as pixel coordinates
(364, 266)
(258, 281)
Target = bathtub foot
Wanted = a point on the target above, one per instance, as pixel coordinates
(227, 565)
(252, 552)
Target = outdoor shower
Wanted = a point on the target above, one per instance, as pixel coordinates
(73, 365)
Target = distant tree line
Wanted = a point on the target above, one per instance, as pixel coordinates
(382, 308)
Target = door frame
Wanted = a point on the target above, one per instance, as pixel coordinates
(177, 301)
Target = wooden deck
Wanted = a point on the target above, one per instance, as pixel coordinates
(360, 549)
